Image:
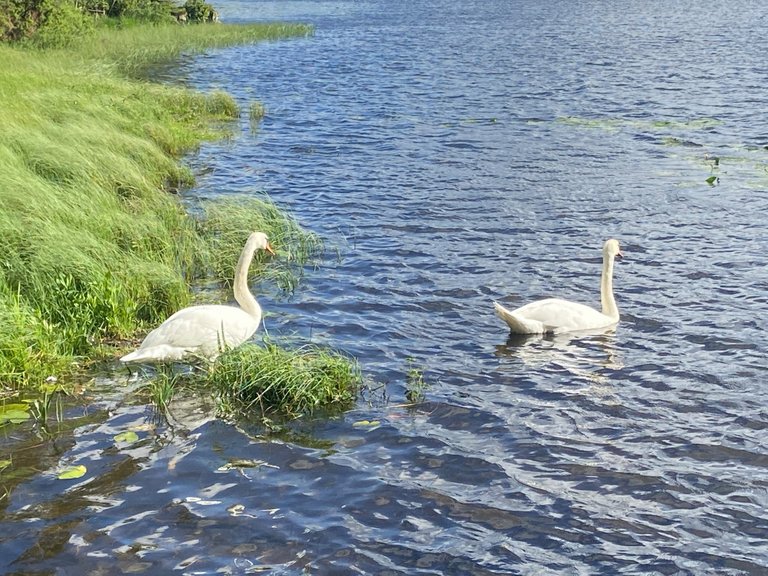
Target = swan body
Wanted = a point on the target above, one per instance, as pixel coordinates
(206, 331)
(556, 316)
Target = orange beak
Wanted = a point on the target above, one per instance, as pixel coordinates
(269, 249)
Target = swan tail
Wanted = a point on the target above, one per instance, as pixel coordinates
(156, 354)
(518, 325)
(132, 357)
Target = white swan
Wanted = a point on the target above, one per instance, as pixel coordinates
(555, 316)
(206, 331)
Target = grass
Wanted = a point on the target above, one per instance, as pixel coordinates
(161, 388)
(95, 245)
(133, 49)
(271, 379)
(263, 382)
(226, 225)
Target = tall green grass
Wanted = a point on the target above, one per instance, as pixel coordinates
(226, 225)
(132, 49)
(94, 245)
(270, 379)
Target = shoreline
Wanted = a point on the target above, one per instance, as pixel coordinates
(99, 248)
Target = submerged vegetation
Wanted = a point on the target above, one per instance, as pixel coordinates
(96, 245)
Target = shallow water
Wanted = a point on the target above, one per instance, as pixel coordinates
(456, 154)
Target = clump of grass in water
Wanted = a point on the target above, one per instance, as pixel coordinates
(161, 388)
(256, 112)
(275, 380)
(227, 224)
(415, 384)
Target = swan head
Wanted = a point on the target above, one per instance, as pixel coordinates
(611, 249)
(259, 241)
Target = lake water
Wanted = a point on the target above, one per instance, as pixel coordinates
(457, 153)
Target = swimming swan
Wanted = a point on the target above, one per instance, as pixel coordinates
(555, 316)
(206, 331)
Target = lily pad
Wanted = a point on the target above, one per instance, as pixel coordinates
(128, 437)
(72, 472)
(14, 413)
(366, 423)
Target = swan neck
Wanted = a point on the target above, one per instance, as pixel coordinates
(243, 295)
(606, 289)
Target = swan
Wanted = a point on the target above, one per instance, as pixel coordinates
(555, 316)
(205, 331)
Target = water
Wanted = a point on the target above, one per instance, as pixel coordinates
(456, 154)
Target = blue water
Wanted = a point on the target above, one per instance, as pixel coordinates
(456, 153)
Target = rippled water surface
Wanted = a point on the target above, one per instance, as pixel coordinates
(457, 153)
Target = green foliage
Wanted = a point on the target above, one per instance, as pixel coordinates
(132, 49)
(62, 24)
(48, 23)
(200, 11)
(19, 19)
(147, 10)
(415, 384)
(30, 348)
(93, 246)
(227, 224)
(162, 388)
(256, 112)
(275, 380)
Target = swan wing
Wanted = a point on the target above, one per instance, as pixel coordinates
(198, 330)
(519, 324)
(554, 316)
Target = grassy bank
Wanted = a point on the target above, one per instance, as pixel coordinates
(95, 246)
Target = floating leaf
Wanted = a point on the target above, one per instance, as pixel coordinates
(241, 463)
(366, 423)
(14, 413)
(712, 180)
(72, 472)
(128, 437)
(17, 406)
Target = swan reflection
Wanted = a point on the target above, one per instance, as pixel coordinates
(588, 355)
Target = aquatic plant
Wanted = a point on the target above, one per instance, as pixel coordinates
(415, 384)
(256, 112)
(270, 379)
(134, 49)
(162, 386)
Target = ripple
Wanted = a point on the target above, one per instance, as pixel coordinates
(481, 151)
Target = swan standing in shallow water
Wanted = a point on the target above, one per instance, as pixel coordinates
(206, 331)
(555, 316)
